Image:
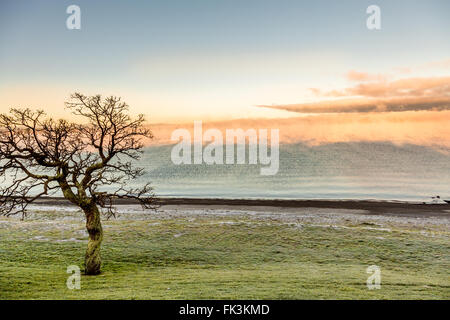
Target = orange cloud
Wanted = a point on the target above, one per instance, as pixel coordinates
(403, 87)
(369, 105)
(410, 94)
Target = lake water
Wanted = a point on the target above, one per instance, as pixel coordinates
(381, 171)
(334, 171)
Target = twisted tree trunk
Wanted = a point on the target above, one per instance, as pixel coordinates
(93, 259)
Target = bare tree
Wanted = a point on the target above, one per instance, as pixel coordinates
(40, 156)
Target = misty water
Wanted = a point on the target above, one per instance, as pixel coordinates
(381, 171)
(332, 171)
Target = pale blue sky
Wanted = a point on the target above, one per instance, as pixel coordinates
(208, 58)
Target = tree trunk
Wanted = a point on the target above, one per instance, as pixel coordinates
(93, 259)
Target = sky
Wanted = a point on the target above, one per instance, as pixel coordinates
(180, 61)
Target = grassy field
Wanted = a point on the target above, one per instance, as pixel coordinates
(238, 256)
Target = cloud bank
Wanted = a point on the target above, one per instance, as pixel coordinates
(375, 94)
(426, 128)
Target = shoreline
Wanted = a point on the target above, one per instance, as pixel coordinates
(374, 207)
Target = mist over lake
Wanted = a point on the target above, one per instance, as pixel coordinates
(355, 170)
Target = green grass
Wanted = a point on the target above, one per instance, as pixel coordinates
(220, 257)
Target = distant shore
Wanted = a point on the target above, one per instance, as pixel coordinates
(374, 207)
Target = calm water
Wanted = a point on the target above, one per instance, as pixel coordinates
(333, 171)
